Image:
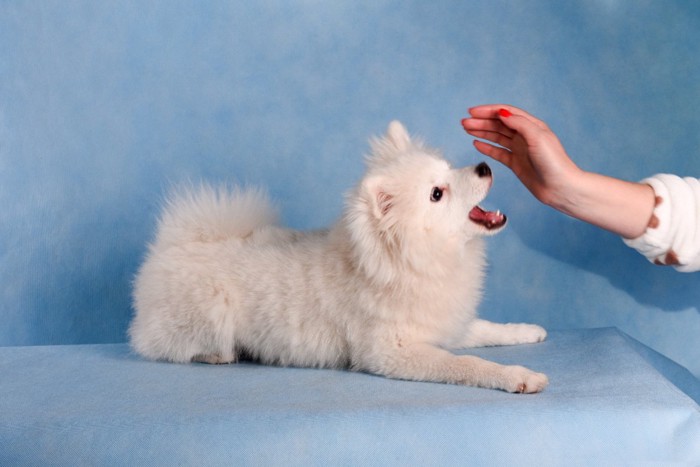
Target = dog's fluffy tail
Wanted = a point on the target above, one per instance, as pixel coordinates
(207, 214)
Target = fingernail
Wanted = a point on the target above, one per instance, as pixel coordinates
(464, 122)
(504, 113)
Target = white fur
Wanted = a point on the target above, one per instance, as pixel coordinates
(386, 290)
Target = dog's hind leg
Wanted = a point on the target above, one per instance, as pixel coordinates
(482, 333)
(213, 359)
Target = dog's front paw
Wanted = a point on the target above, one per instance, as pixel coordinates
(521, 380)
(485, 333)
(527, 333)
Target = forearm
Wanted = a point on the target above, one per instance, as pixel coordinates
(621, 207)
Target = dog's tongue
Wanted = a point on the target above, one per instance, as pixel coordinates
(488, 219)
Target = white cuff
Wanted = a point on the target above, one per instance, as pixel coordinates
(673, 235)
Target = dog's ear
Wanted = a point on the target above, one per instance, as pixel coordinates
(378, 197)
(387, 148)
(398, 136)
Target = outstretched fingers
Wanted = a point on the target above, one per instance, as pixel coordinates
(487, 124)
(492, 131)
(493, 137)
(494, 152)
(502, 112)
(493, 110)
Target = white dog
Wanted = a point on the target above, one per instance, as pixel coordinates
(386, 290)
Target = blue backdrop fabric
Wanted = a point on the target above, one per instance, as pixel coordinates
(607, 404)
(105, 105)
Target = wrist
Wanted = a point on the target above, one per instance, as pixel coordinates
(569, 192)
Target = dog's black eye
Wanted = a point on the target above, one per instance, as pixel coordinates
(436, 194)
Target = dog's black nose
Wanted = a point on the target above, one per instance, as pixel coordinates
(483, 170)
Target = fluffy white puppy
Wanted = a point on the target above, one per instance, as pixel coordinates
(386, 290)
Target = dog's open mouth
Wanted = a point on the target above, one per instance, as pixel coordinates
(489, 219)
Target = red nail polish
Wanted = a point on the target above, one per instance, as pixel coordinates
(504, 113)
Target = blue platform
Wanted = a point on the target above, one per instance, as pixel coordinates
(610, 402)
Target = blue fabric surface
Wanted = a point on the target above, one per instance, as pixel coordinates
(101, 405)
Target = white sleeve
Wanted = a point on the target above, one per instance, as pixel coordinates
(673, 235)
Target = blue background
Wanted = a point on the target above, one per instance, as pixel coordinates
(105, 105)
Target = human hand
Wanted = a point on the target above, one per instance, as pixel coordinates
(533, 152)
(527, 146)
